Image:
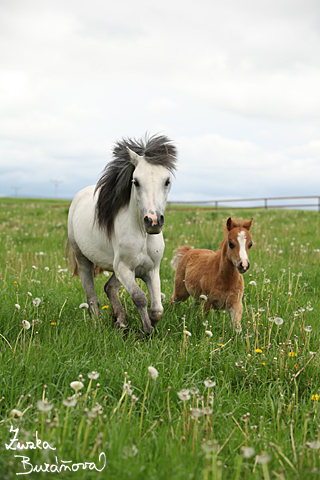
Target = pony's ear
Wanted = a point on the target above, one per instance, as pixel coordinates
(231, 224)
(247, 224)
(134, 157)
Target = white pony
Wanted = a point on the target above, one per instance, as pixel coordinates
(117, 225)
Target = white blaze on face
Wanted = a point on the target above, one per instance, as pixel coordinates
(242, 239)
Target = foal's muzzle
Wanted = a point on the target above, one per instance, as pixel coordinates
(242, 269)
(152, 226)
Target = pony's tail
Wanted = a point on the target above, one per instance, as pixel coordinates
(71, 258)
(178, 254)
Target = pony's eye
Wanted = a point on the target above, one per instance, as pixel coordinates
(135, 182)
(250, 245)
(231, 245)
(167, 182)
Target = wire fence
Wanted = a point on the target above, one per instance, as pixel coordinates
(267, 202)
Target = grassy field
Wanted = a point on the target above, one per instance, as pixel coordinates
(251, 409)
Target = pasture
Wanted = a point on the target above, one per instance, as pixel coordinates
(225, 405)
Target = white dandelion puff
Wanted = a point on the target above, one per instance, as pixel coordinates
(153, 373)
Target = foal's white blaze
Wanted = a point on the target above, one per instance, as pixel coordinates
(242, 239)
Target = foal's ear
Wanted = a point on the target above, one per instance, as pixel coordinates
(231, 224)
(247, 224)
(134, 157)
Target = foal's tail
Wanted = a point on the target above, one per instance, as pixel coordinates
(178, 254)
(71, 259)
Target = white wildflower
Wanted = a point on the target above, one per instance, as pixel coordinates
(36, 301)
(76, 385)
(196, 413)
(47, 269)
(83, 305)
(278, 321)
(15, 413)
(127, 388)
(209, 383)
(17, 306)
(26, 325)
(70, 402)
(153, 373)
(93, 375)
(209, 333)
(204, 297)
(44, 405)
(252, 282)
(248, 452)
(184, 395)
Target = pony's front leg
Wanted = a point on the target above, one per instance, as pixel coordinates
(139, 298)
(236, 314)
(112, 288)
(154, 289)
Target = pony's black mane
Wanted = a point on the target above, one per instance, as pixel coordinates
(115, 181)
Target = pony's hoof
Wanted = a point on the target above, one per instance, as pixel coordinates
(123, 329)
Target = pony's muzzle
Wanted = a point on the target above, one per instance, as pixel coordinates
(152, 226)
(243, 269)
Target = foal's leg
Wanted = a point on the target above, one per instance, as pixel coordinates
(112, 289)
(180, 292)
(154, 289)
(86, 271)
(236, 314)
(126, 277)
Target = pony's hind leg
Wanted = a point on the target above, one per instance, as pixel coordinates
(112, 288)
(86, 272)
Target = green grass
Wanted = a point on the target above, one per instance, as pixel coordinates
(267, 381)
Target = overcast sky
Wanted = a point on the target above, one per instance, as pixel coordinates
(235, 84)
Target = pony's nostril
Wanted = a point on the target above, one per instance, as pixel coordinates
(241, 266)
(161, 220)
(147, 221)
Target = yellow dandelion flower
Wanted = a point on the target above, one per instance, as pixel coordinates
(258, 350)
(220, 344)
(105, 307)
(15, 282)
(263, 363)
(315, 397)
(292, 354)
(296, 367)
(53, 323)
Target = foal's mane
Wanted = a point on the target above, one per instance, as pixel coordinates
(115, 181)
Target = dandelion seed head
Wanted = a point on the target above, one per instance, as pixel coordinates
(15, 413)
(278, 321)
(93, 375)
(17, 306)
(248, 452)
(44, 405)
(83, 305)
(153, 373)
(184, 395)
(36, 301)
(308, 328)
(209, 333)
(209, 383)
(69, 402)
(77, 385)
(26, 325)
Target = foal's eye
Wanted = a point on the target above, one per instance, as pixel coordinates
(135, 182)
(250, 245)
(231, 245)
(167, 183)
